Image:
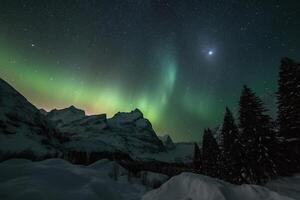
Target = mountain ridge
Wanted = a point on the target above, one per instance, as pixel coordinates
(61, 132)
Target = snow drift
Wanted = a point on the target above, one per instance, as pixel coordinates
(189, 186)
(287, 186)
(57, 179)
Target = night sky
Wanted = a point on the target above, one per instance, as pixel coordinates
(179, 62)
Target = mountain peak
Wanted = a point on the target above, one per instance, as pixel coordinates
(66, 115)
(43, 111)
(137, 110)
(6, 88)
(167, 141)
(73, 107)
(9, 97)
(23, 128)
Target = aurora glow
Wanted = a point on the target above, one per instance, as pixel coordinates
(158, 56)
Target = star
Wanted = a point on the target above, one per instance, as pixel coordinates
(210, 52)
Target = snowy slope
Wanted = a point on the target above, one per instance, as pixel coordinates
(189, 186)
(288, 186)
(57, 179)
(24, 131)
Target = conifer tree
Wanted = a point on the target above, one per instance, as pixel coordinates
(257, 138)
(210, 154)
(197, 157)
(231, 150)
(289, 114)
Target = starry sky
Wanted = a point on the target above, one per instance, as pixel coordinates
(179, 62)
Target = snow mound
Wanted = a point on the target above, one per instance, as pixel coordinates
(189, 186)
(18, 161)
(287, 186)
(60, 180)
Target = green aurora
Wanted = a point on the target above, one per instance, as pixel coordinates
(180, 63)
(49, 88)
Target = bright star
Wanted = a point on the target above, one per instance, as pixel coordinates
(210, 52)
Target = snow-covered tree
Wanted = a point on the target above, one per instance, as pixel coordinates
(257, 138)
(289, 112)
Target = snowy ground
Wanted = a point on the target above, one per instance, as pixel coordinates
(289, 186)
(57, 179)
(189, 186)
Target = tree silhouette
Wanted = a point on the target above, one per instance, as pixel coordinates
(257, 138)
(231, 150)
(210, 154)
(289, 113)
(197, 157)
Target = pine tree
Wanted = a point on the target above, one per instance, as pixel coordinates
(289, 113)
(231, 150)
(257, 138)
(197, 157)
(210, 154)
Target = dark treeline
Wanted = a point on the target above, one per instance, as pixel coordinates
(256, 148)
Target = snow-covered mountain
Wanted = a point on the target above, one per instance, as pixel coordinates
(24, 131)
(167, 141)
(65, 116)
(126, 133)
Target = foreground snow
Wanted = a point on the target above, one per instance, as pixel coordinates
(288, 186)
(189, 186)
(57, 179)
